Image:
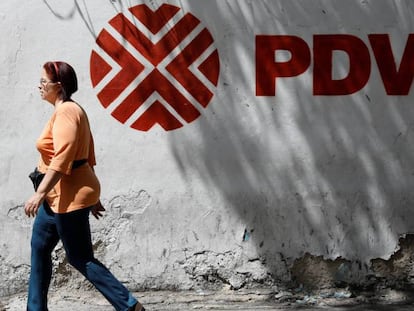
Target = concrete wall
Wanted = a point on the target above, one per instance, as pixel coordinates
(258, 189)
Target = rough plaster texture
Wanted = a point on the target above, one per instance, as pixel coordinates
(258, 190)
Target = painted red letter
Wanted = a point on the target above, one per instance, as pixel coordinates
(267, 69)
(359, 64)
(396, 82)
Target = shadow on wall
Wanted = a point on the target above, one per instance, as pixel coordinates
(68, 10)
(332, 176)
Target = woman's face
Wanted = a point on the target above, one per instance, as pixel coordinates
(48, 89)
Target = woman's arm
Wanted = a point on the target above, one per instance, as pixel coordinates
(49, 181)
(98, 208)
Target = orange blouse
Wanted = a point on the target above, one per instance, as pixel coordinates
(66, 138)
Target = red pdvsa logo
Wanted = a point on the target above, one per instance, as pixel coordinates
(397, 79)
(155, 67)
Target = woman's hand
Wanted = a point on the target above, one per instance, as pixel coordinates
(97, 210)
(32, 205)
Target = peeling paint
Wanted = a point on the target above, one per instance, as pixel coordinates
(16, 213)
(132, 203)
(398, 270)
(316, 272)
(210, 269)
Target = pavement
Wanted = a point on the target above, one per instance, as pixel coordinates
(257, 299)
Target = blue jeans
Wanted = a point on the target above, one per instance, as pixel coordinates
(74, 231)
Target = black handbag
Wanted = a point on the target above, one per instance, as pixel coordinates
(36, 176)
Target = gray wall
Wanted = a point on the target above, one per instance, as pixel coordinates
(245, 191)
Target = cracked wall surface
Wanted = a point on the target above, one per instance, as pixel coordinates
(292, 189)
(316, 272)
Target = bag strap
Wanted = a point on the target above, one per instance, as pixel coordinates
(78, 163)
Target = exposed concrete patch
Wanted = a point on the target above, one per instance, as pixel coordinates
(12, 275)
(398, 271)
(17, 214)
(316, 272)
(14, 231)
(216, 270)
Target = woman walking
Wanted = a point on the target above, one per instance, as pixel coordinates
(67, 194)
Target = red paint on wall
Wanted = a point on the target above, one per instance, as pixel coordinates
(165, 72)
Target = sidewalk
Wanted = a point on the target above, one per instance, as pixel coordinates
(258, 300)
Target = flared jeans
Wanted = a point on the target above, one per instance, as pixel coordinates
(73, 230)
